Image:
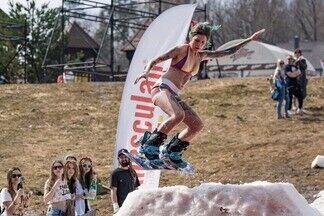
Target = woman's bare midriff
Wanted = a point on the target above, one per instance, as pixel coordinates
(178, 77)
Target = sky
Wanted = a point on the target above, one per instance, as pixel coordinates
(4, 5)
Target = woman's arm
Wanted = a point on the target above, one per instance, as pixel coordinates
(294, 74)
(231, 50)
(11, 206)
(172, 53)
(49, 193)
(27, 199)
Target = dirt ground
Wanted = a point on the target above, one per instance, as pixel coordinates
(242, 140)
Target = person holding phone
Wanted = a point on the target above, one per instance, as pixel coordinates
(56, 191)
(13, 198)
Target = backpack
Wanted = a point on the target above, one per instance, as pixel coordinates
(274, 93)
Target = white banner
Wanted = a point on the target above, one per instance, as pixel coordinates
(137, 113)
(322, 63)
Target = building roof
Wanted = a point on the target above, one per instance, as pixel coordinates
(78, 38)
(313, 51)
(253, 56)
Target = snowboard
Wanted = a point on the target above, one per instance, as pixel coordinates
(163, 165)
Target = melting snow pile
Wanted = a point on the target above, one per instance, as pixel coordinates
(319, 202)
(213, 199)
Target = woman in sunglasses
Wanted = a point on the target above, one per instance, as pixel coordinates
(87, 188)
(56, 191)
(13, 199)
(280, 83)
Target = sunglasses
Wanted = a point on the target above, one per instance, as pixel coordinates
(15, 175)
(57, 167)
(86, 165)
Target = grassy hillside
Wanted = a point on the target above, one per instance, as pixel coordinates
(242, 140)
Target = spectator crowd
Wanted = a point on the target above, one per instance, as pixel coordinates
(70, 187)
(289, 84)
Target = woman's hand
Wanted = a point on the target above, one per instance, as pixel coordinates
(141, 76)
(27, 199)
(257, 35)
(19, 196)
(20, 192)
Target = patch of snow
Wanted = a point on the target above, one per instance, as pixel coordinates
(216, 199)
(319, 202)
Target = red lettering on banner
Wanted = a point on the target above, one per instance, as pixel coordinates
(154, 75)
(146, 85)
(147, 115)
(144, 113)
(141, 99)
(138, 129)
(133, 141)
(156, 68)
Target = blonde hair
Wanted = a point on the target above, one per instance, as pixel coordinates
(51, 180)
(278, 68)
(279, 62)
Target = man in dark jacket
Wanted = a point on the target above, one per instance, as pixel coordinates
(301, 64)
(294, 88)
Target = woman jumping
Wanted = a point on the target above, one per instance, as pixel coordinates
(185, 63)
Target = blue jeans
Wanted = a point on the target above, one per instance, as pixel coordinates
(54, 212)
(283, 97)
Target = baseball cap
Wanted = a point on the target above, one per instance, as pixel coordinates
(122, 152)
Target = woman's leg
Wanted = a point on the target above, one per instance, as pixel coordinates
(300, 97)
(173, 150)
(279, 103)
(169, 104)
(290, 95)
(193, 122)
(150, 142)
(286, 96)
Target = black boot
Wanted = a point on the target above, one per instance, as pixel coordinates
(172, 152)
(150, 143)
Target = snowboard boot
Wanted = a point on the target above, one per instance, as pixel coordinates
(172, 152)
(150, 143)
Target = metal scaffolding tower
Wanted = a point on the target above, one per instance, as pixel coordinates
(120, 15)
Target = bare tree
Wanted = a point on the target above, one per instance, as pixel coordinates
(307, 17)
